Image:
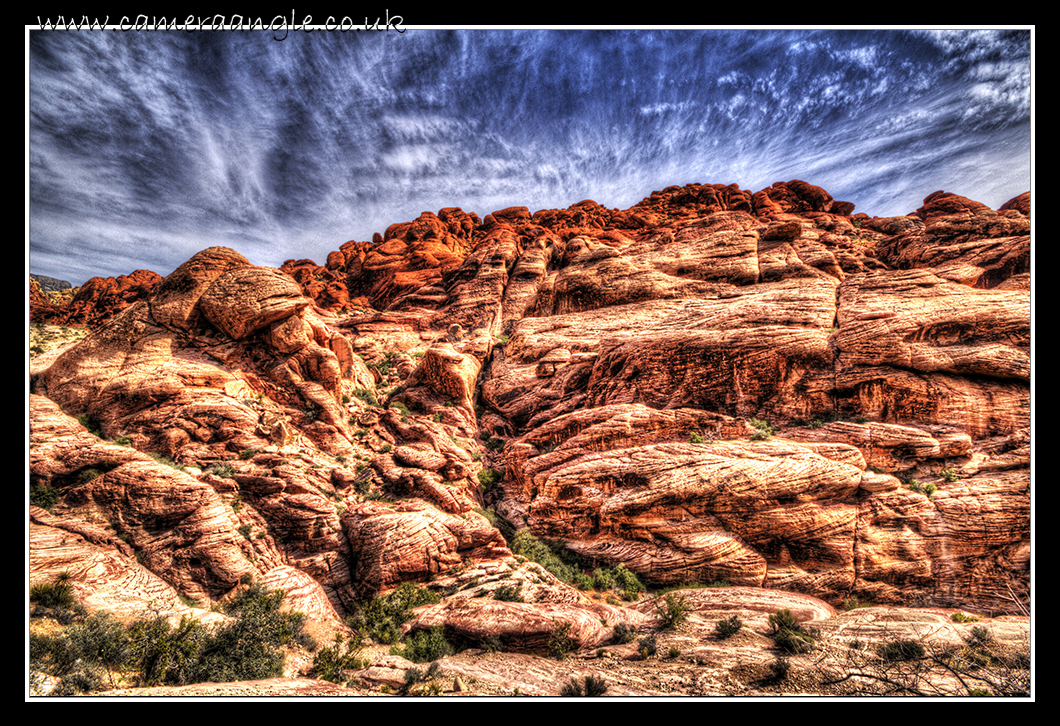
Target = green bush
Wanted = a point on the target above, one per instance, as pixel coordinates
(330, 661)
(43, 496)
(90, 423)
(647, 647)
(381, 618)
(728, 627)
(582, 581)
(560, 642)
(593, 686)
(928, 489)
(526, 544)
(248, 648)
(488, 477)
(618, 577)
(223, 470)
(900, 650)
(162, 653)
(695, 438)
(673, 611)
(365, 395)
(509, 593)
(765, 431)
(57, 594)
(424, 646)
(788, 634)
(82, 654)
(779, 669)
(623, 633)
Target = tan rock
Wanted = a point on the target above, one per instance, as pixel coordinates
(242, 301)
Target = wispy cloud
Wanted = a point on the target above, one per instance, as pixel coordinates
(145, 147)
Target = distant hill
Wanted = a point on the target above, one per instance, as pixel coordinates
(50, 284)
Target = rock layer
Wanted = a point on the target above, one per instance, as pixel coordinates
(710, 385)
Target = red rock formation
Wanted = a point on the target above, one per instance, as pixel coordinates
(97, 300)
(657, 387)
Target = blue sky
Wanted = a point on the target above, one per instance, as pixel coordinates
(145, 147)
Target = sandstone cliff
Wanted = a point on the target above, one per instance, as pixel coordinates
(711, 385)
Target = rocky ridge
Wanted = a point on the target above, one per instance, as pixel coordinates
(712, 385)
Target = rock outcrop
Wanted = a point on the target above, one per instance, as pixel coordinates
(711, 385)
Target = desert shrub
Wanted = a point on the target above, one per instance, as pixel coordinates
(526, 544)
(582, 581)
(90, 423)
(779, 669)
(589, 686)
(330, 661)
(788, 634)
(618, 577)
(488, 477)
(647, 646)
(603, 579)
(509, 593)
(494, 443)
(728, 627)
(560, 642)
(627, 581)
(162, 653)
(572, 689)
(381, 618)
(695, 438)
(224, 470)
(980, 637)
(247, 454)
(83, 654)
(673, 611)
(424, 646)
(244, 529)
(42, 495)
(765, 431)
(963, 618)
(123, 440)
(156, 652)
(623, 633)
(249, 648)
(366, 396)
(899, 650)
(56, 600)
(950, 475)
(928, 489)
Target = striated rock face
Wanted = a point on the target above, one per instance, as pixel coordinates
(711, 385)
